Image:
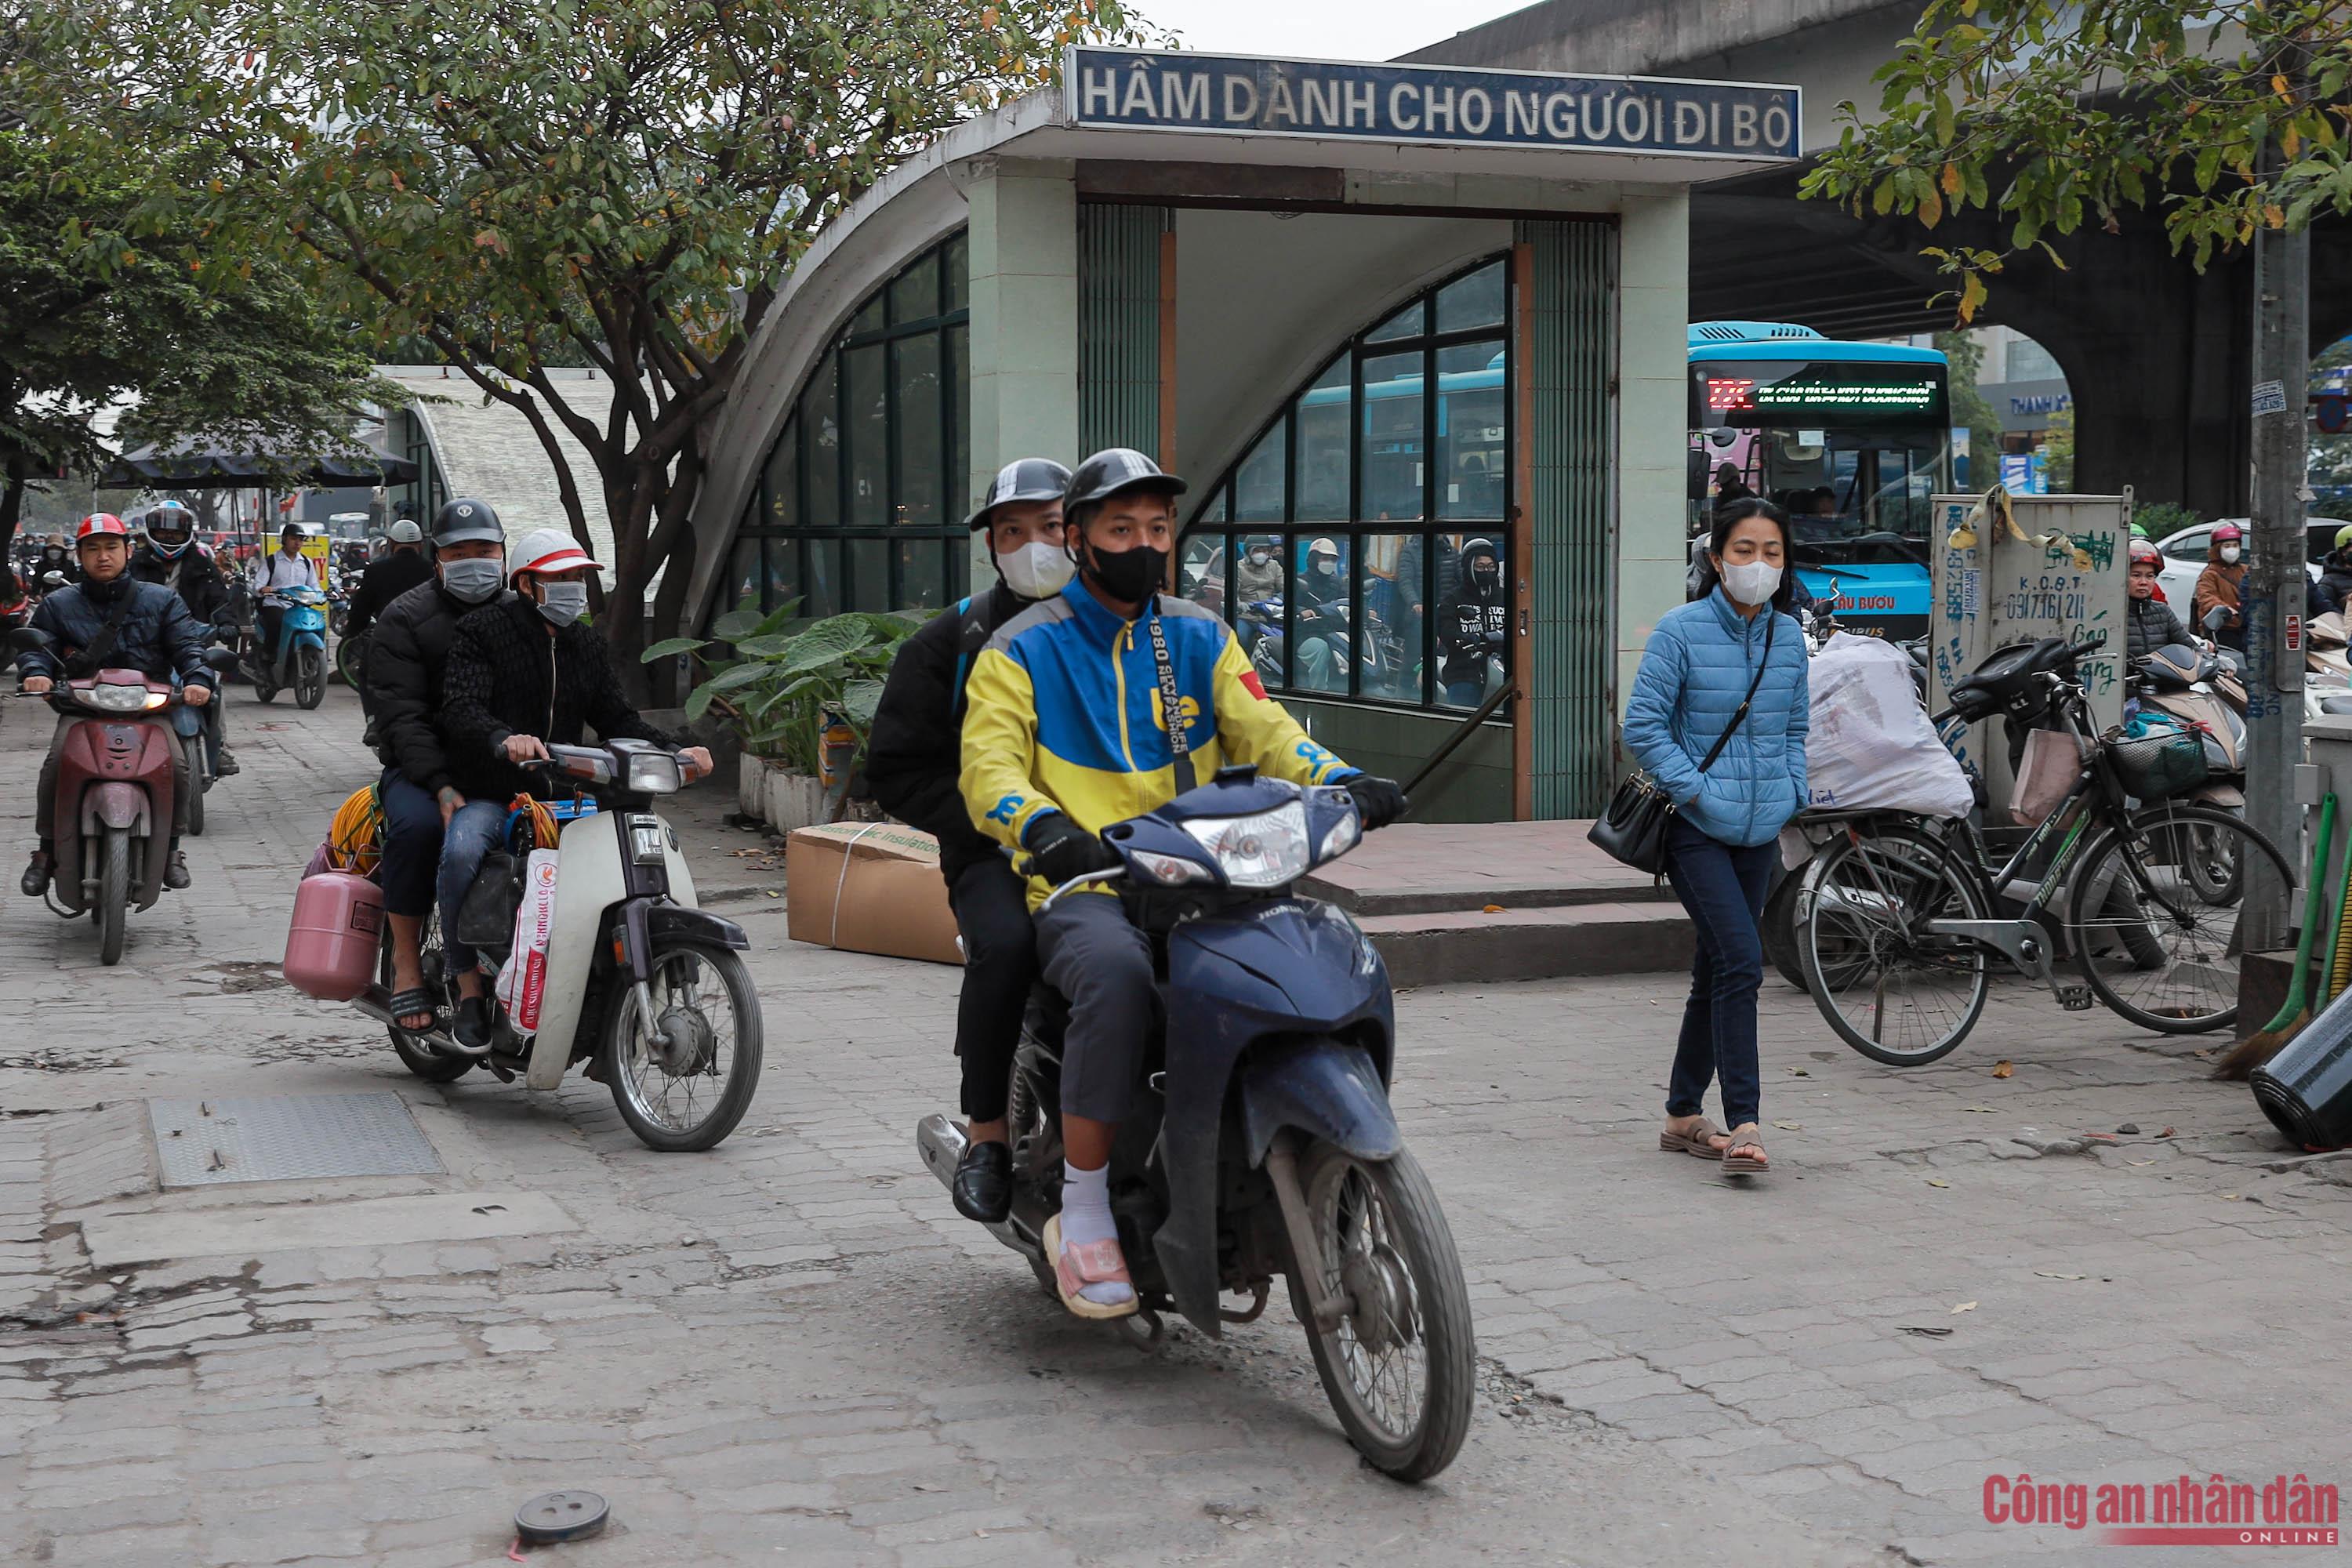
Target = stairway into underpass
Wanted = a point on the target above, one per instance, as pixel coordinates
(1503, 900)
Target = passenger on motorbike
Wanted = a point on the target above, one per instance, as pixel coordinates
(912, 764)
(172, 557)
(1067, 732)
(407, 657)
(111, 621)
(523, 673)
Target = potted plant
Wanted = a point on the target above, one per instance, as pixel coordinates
(790, 682)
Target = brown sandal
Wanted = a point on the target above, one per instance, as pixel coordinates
(1699, 1141)
(1739, 1164)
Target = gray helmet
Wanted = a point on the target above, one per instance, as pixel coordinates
(1024, 478)
(1111, 470)
(463, 520)
(405, 531)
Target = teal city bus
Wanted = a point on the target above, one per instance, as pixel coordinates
(1853, 438)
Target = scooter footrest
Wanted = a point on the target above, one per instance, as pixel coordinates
(2074, 998)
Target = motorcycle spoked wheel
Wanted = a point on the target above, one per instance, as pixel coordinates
(653, 1065)
(113, 910)
(416, 1052)
(1399, 1367)
(348, 653)
(309, 677)
(198, 782)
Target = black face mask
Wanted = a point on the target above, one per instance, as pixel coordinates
(1129, 576)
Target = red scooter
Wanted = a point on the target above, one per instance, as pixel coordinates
(113, 814)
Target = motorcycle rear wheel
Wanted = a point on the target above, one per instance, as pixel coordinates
(113, 909)
(1385, 1245)
(415, 1053)
(309, 677)
(656, 1096)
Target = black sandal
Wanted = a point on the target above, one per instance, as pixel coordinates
(408, 1004)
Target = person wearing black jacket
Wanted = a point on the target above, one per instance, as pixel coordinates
(913, 762)
(1471, 626)
(403, 567)
(407, 655)
(172, 558)
(523, 674)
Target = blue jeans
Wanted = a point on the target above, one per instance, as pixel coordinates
(189, 723)
(1723, 886)
(479, 827)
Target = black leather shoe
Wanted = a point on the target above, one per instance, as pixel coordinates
(982, 1188)
(36, 879)
(175, 871)
(472, 1029)
(229, 765)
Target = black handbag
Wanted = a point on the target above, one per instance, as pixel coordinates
(1632, 828)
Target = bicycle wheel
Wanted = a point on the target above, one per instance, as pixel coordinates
(1892, 990)
(2161, 855)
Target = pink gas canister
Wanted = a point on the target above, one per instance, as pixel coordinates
(330, 948)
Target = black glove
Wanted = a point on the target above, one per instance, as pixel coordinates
(1379, 801)
(1061, 849)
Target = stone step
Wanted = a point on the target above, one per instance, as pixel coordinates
(1540, 943)
(1416, 869)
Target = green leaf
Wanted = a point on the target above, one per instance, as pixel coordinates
(670, 647)
(860, 701)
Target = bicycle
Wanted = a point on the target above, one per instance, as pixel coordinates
(1896, 920)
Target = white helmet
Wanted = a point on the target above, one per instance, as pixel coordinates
(405, 531)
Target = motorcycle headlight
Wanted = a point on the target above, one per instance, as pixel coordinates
(654, 773)
(110, 698)
(1267, 850)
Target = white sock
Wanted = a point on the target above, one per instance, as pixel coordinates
(1085, 1219)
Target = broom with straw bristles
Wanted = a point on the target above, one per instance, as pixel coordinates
(2263, 1044)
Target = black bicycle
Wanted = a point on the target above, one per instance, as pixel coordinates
(1897, 922)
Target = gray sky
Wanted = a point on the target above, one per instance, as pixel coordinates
(1319, 29)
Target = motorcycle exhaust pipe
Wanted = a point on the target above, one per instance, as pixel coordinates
(941, 1144)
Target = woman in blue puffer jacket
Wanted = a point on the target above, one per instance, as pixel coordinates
(1696, 673)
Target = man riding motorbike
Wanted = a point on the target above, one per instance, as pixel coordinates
(55, 557)
(2218, 585)
(109, 621)
(1067, 732)
(406, 659)
(2152, 624)
(912, 762)
(523, 673)
(172, 557)
(287, 567)
(1471, 626)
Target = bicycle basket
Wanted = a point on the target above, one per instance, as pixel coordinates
(2155, 760)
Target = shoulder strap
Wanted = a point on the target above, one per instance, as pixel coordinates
(973, 632)
(92, 659)
(1171, 701)
(1741, 717)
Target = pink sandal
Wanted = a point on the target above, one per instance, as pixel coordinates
(1097, 1263)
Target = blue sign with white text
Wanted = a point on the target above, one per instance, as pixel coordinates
(1247, 95)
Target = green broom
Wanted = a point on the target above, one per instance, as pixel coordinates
(2296, 1012)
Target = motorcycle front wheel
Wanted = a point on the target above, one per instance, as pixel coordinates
(348, 655)
(683, 1077)
(309, 677)
(1400, 1365)
(113, 909)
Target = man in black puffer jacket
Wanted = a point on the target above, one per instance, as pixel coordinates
(406, 657)
(523, 674)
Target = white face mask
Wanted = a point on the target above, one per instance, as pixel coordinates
(2230, 554)
(1751, 581)
(1324, 566)
(1037, 570)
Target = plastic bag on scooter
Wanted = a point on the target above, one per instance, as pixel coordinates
(522, 979)
(1871, 747)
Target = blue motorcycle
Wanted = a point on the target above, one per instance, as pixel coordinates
(1262, 1143)
(297, 658)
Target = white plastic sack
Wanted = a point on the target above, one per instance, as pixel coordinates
(523, 981)
(1872, 747)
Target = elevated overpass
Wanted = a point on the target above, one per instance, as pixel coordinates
(2156, 354)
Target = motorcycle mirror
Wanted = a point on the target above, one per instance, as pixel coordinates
(53, 581)
(25, 639)
(221, 658)
(2217, 617)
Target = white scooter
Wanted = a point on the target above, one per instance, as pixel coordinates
(647, 989)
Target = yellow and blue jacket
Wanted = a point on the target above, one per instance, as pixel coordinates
(1065, 715)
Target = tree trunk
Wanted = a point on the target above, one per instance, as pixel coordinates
(11, 503)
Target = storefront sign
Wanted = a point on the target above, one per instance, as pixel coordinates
(1247, 96)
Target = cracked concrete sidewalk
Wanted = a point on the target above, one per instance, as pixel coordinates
(793, 1344)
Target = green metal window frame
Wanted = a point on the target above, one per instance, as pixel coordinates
(1215, 510)
(881, 319)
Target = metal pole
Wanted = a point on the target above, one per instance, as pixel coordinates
(2275, 601)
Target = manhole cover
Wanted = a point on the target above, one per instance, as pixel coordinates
(284, 1138)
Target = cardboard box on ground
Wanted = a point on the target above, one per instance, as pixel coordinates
(870, 887)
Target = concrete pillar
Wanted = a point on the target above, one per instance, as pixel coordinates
(1652, 406)
(1024, 241)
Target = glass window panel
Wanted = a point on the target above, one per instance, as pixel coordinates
(1394, 448)
(1470, 421)
(1406, 323)
(866, 396)
(915, 293)
(1215, 511)
(821, 418)
(923, 575)
(1257, 483)
(869, 576)
(920, 490)
(870, 317)
(1473, 623)
(1395, 604)
(1201, 572)
(1320, 614)
(956, 263)
(1324, 419)
(783, 573)
(821, 585)
(743, 576)
(1475, 301)
(783, 478)
(959, 374)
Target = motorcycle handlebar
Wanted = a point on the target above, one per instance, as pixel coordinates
(1108, 874)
